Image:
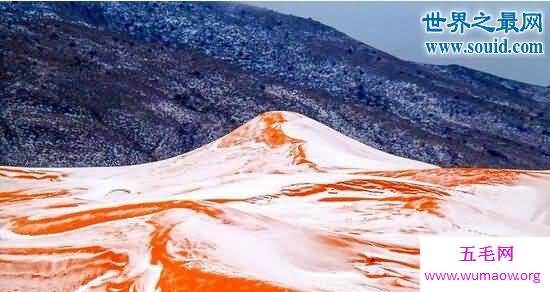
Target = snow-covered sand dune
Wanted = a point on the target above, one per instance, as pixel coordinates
(281, 203)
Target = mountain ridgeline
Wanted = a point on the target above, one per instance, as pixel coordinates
(102, 84)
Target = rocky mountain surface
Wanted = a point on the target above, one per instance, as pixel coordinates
(97, 84)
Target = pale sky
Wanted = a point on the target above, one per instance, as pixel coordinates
(395, 27)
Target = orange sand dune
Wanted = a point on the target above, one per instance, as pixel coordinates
(282, 203)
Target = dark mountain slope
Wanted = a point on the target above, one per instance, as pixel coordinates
(119, 83)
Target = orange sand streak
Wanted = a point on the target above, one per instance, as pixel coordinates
(67, 205)
(17, 196)
(271, 135)
(377, 260)
(175, 276)
(30, 174)
(367, 185)
(419, 203)
(72, 221)
(421, 198)
(60, 274)
(453, 177)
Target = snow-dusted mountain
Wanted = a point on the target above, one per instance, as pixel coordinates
(103, 84)
(281, 203)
